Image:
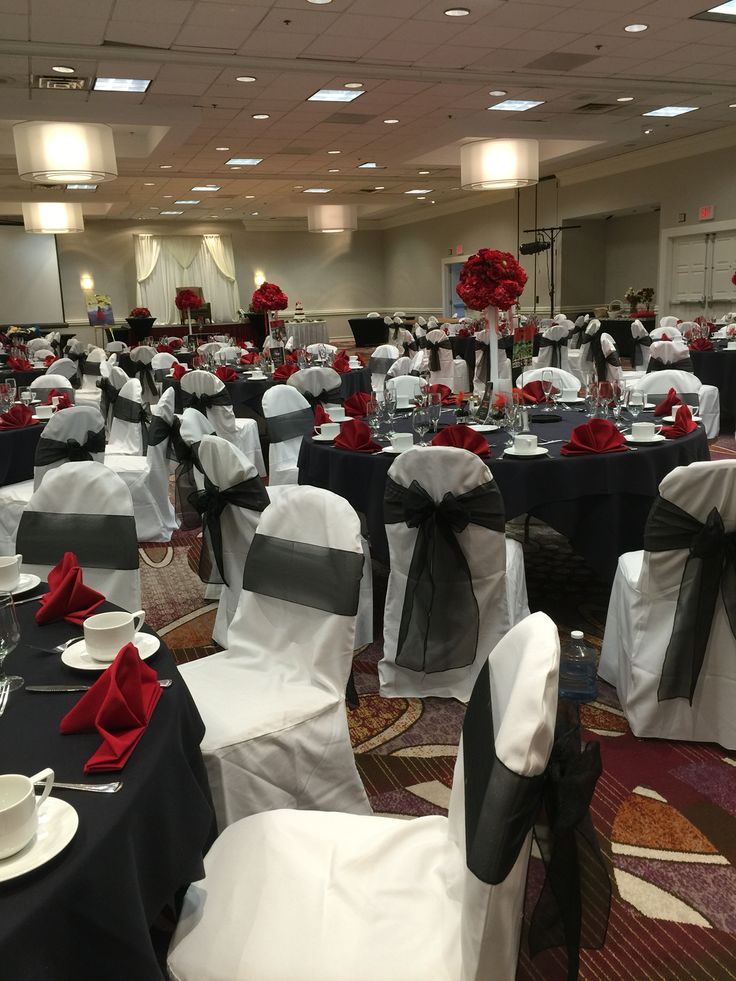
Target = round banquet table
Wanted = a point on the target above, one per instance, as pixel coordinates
(719, 368)
(599, 502)
(86, 914)
(22, 378)
(18, 452)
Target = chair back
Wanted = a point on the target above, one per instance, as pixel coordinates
(160, 454)
(74, 435)
(87, 509)
(289, 418)
(43, 387)
(129, 427)
(202, 383)
(441, 362)
(41, 353)
(67, 368)
(318, 349)
(613, 362)
(407, 387)
(162, 364)
(674, 354)
(564, 380)
(668, 324)
(379, 363)
(116, 347)
(319, 383)
(402, 366)
(228, 353)
(642, 342)
(210, 349)
(92, 369)
(36, 344)
(553, 346)
(657, 384)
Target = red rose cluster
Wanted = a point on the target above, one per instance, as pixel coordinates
(491, 278)
(733, 279)
(188, 300)
(267, 297)
(140, 312)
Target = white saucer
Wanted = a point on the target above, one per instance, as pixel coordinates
(57, 825)
(540, 451)
(672, 419)
(657, 438)
(319, 438)
(393, 451)
(76, 656)
(482, 427)
(26, 582)
(575, 401)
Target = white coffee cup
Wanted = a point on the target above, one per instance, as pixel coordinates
(44, 411)
(337, 413)
(331, 429)
(569, 393)
(732, 345)
(9, 572)
(54, 401)
(19, 809)
(525, 443)
(106, 633)
(643, 431)
(402, 441)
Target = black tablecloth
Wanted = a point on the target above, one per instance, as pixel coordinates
(369, 331)
(719, 368)
(86, 915)
(17, 453)
(599, 503)
(620, 331)
(22, 378)
(464, 347)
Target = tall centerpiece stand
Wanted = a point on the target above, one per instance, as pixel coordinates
(268, 299)
(187, 300)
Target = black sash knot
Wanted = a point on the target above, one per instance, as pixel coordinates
(434, 352)
(556, 356)
(639, 343)
(210, 503)
(50, 451)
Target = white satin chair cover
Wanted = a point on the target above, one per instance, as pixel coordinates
(670, 352)
(640, 618)
(209, 349)
(283, 456)
(306, 880)
(163, 361)
(496, 568)
(274, 703)
(638, 370)
(453, 371)
(378, 378)
(670, 333)
(709, 399)
(116, 347)
(36, 344)
(316, 382)
(560, 379)
(315, 350)
(228, 353)
(402, 366)
(407, 387)
(242, 433)
(558, 332)
(118, 378)
(40, 354)
(608, 347)
(143, 354)
(88, 488)
(88, 393)
(64, 367)
(126, 437)
(668, 324)
(43, 386)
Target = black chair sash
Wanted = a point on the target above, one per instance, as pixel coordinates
(145, 376)
(710, 568)
(127, 410)
(575, 337)
(210, 503)
(190, 400)
(185, 485)
(410, 347)
(656, 364)
(334, 395)
(101, 541)
(91, 368)
(108, 396)
(321, 578)
(439, 619)
(380, 366)
(290, 425)
(79, 360)
(50, 451)
(556, 357)
(434, 352)
(639, 343)
(160, 430)
(596, 353)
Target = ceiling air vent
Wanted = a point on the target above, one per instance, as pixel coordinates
(349, 118)
(596, 108)
(368, 190)
(65, 83)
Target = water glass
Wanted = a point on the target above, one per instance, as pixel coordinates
(605, 394)
(591, 398)
(634, 402)
(433, 403)
(389, 408)
(420, 422)
(511, 421)
(9, 638)
(547, 386)
(373, 417)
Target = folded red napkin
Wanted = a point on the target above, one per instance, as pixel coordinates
(164, 349)
(356, 435)
(463, 332)
(226, 374)
(49, 360)
(521, 397)
(64, 401)
(320, 416)
(68, 598)
(119, 706)
(285, 371)
(17, 417)
(463, 437)
(249, 358)
(178, 370)
(447, 397)
(665, 337)
(293, 356)
(355, 405)
(341, 364)
(535, 392)
(176, 344)
(19, 364)
(701, 344)
(596, 436)
(667, 405)
(682, 425)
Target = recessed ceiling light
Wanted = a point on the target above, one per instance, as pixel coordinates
(223, 148)
(353, 85)
(636, 28)
(724, 11)
(63, 69)
(334, 170)
(334, 151)
(206, 187)
(165, 166)
(261, 115)
(670, 111)
(245, 78)
(423, 173)
(317, 190)
(228, 209)
(249, 197)
(81, 187)
(298, 187)
(171, 212)
(648, 131)
(457, 12)
(732, 105)
(121, 84)
(420, 190)
(319, 2)
(214, 216)
(153, 207)
(368, 165)
(626, 98)
(333, 95)
(187, 201)
(517, 105)
(498, 93)
(149, 184)
(236, 168)
(391, 122)
(422, 198)
(168, 196)
(243, 161)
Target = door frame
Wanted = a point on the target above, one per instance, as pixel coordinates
(667, 237)
(446, 300)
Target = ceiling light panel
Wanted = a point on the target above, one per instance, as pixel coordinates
(206, 187)
(243, 161)
(420, 190)
(516, 105)
(121, 84)
(187, 201)
(317, 190)
(722, 11)
(670, 111)
(334, 95)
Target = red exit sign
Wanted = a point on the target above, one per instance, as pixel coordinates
(706, 212)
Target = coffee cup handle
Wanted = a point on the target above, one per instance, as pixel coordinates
(46, 776)
(139, 618)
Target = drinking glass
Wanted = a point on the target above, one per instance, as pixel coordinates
(591, 398)
(389, 408)
(473, 406)
(420, 422)
(12, 389)
(617, 404)
(373, 417)
(26, 396)
(634, 403)
(433, 403)
(9, 637)
(547, 386)
(605, 394)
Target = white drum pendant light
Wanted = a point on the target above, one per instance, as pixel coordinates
(332, 218)
(52, 218)
(493, 165)
(65, 153)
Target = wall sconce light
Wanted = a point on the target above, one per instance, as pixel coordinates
(86, 282)
(259, 279)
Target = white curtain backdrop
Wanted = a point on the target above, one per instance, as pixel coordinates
(166, 262)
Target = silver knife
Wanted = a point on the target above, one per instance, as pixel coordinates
(163, 682)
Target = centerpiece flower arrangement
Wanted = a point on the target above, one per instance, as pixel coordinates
(140, 322)
(140, 312)
(268, 298)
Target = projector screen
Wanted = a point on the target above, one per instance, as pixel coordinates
(29, 278)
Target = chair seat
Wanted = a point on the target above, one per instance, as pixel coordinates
(363, 898)
(13, 499)
(19, 493)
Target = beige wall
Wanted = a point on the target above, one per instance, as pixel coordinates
(631, 253)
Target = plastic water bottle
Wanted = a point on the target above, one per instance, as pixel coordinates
(578, 669)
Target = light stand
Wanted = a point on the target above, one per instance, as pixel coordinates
(546, 239)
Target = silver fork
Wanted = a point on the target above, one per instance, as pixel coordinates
(4, 693)
(94, 788)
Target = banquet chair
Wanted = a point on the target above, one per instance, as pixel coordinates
(142, 358)
(402, 366)
(67, 369)
(227, 353)
(668, 333)
(161, 365)
(116, 347)
(40, 354)
(129, 427)
(642, 342)
(110, 383)
(84, 508)
(612, 360)
(705, 400)
(562, 380)
(379, 363)
(43, 386)
(553, 346)
(668, 646)
(673, 355)
(443, 368)
(407, 387)
(576, 334)
(289, 418)
(36, 344)
(438, 627)
(316, 350)
(420, 332)
(668, 324)
(88, 393)
(188, 475)
(316, 384)
(209, 349)
(204, 391)
(75, 434)
(273, 702)
(373, 314)
(337, 896)
(482, 372)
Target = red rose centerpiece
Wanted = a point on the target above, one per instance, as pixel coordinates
(188, 300)
(140, 322)
(491, 278)
(140, 312)
(268, 297)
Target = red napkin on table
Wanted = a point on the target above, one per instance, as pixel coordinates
(178, 370)
(447, 397)
(320, 415)
(341, 364)
(64, 401)
(17, 417)
(285, 371)
(667, 406)
(356, 435)
(682, 425)
(355, 405)
(226, 374)
(49, 360)
(68, 598)
(535, 392)
(165, 349)
(19, 364)
(176, 344)
(293, 356)
(249, 358)
(463, 437)
(119, 706)
(463, 332)
(596, 436)
(701, 344)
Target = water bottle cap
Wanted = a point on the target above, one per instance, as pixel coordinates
(577, 635)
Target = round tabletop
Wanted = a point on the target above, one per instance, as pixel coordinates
(94, 903)
(18, 452)
(599, 502)
(22, 378)
(718, 368)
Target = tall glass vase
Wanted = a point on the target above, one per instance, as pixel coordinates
(490, 317)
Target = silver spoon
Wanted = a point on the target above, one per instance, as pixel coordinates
(93, 788)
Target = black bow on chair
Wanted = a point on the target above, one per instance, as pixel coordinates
(434, 352)
(128, 410)
(161, 430)
(639, 343)
(79, 360)
(439, 619)
(556, 356)
(657, 364)
(50, 451)
(210, 503)
(108, 396)
(710, 568)
(148, 382)
(600, 359)
(190, 400)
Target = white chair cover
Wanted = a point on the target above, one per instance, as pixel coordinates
(372, 314)
(117, 378)
(407, 387)
(497, 583)
(320, 349)
(641, 616)
(84, 508)
(210, 349)
(36, 344)
(453, 372)
(116, 347)
(667, 325)
(126, 436)
(142, 358)
(162, 364)
(674, 353)
(315, 382)
(227, 353)
(551, 355)
(66, 368)
(279, 401)
(708, 402)
(642, 353)
(273, 703)
(380, 361)
(88, 393)
(40, 354)
(402, 366)
(242, 433)
(563, 380)
(613, 362)
(307, 879)
(43, 386)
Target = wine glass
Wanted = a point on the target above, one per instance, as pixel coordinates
(473, 406)
(634, 403)
(617, 404)
(420, 422)
(389, 407)
(433, 403)
(591, 398)
(547, 386)
(11, 390)
(9, 638)
(373, 417)
(511, 421)
(605, 393)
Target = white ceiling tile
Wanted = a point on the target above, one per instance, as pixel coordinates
(263, 42)
(361, 25)
(162, 11)
(399, 51)
(62, 31)
(329, 46)
(14, 27)
(158, 35)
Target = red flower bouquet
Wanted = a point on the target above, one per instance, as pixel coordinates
(140, 312)
(268, 297)
(188, 300)
(491, 278)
